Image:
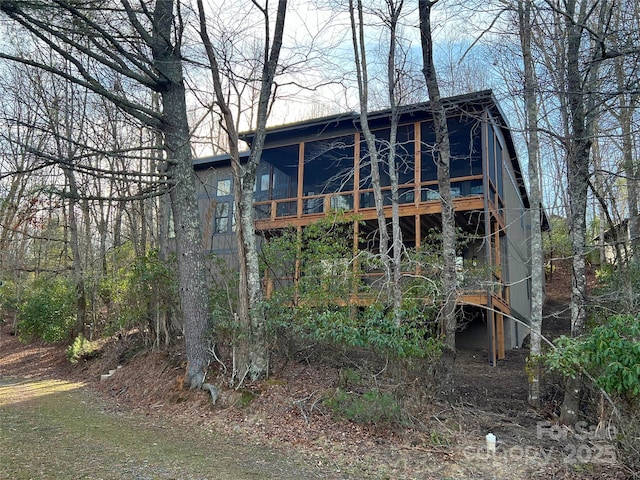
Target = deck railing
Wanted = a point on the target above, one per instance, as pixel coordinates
(361, 199)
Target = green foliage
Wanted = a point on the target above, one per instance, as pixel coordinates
(223, 297)
(47, 310)
(610, 354)
(439, 439)
(371, 407)
(349, 376)
(246, 397)
(138, 289)
(81, 348)
(372, 328)
(8, 298)
(321, 254)
(618, 287)
(557, 243)
(472, 275)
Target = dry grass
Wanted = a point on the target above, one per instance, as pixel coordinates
(53, 429)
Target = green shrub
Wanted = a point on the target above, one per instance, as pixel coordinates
(557, 242)
(144, 286)
(610, 354)
(47, 310)
(372, 328)
(81, 348)
(372, 407)
(319, 257)
(8, 297)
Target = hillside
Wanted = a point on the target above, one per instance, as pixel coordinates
(286, 413)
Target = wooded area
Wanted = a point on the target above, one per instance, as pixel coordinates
(105, 106)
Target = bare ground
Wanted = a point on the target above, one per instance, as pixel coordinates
(285, 414)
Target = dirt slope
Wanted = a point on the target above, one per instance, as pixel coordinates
(285, 414)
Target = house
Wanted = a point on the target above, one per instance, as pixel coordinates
(615, 243)
(313, 167)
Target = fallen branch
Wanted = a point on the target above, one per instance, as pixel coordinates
(301, 402)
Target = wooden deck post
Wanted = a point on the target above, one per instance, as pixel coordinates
(500, 335)
(296, 275)
(491, 330)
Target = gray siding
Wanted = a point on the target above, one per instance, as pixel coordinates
(516, 256)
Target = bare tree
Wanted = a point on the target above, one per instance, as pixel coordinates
(358, 38)
(578, 45)
(627, 84)
(394, 11)
(526, 14)
(387, 156)
(442, 155)
(251, 360)
(17, 209)
(142, 45)
(581, 108)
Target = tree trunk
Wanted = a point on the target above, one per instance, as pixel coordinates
(175, 127)
(108, 55)
(251, 356)
(255, 358)
(74, 242)
(578, 148)
(397, 246)
(443, 157)
(360, 56)
(533, 145)
(627, 105)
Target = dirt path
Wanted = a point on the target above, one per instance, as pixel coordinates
(52, 429)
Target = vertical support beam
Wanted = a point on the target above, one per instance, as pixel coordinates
(356, 263)
(491, 325)
(268, 284)
(356, 172)
(486, 129)
(418, 236)
(296, 274)
(300, 178)
(498, 259)
(267, 281)
(500, 335)
(417, 167)
(417, 179)
(490, 313)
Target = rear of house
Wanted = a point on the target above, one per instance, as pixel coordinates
(309, 169)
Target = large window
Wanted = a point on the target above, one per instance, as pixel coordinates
(223, 221)
(223, 188)
(465, 144)
(222, 217)
(277, 176)
(404, 157)
(328, 166)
